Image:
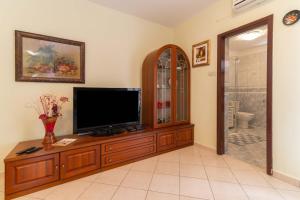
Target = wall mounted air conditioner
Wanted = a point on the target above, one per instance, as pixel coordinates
(240, 5)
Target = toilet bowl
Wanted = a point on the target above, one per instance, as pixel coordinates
(244, 118)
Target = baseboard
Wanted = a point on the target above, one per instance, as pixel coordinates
(286, 178)
(210, 148)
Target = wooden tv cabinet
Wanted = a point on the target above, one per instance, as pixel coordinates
(87, 155)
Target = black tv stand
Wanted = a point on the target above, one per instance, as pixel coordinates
(107, 131)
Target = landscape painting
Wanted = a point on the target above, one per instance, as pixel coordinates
(48, 59)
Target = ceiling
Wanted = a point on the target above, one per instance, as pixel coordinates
(236, 44)
(166, 12)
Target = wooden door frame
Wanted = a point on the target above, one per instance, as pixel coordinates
(221, 85)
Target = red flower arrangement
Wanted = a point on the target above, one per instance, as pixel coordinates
(52, 108)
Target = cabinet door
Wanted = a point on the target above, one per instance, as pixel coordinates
(182, 87)
(166, 140)
(184, 137)
(164, 89)
(79, 161)
(32, 172)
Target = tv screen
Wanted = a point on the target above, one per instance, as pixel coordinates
(101, 107)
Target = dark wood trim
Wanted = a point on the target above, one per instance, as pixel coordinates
(220, 84)
(19, 35)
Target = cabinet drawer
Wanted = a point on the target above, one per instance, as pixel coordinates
(122, 145)
(79, 161)
(166, 140)
(119, 157)
(184, 137)
(28, 173)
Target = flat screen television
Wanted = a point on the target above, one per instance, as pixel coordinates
(98, 108)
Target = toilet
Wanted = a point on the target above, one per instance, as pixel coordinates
(244, 118)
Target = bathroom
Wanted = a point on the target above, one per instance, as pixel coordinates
(245, 96)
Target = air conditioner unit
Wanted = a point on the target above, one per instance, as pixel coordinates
(240, 5)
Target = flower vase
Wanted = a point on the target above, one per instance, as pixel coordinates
(49, 124)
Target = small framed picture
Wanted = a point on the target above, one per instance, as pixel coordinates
(201, 54)
(41, 58)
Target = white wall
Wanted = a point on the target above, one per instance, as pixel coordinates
(217, 19)
(116, 45)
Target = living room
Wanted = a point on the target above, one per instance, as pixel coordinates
(114, 39)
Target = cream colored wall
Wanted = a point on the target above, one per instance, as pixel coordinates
(116, 45)
(217, 19)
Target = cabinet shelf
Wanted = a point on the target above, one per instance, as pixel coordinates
(169, 69)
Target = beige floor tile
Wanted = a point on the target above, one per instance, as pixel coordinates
(68, 191)
(126, 167)
(98, 191)
(191, 159)
(194, 171)
(227, 191)
(170, 157)
(189, 198)
(214, 162)
(237, 164)
(196, 188)
(161, 196)
(41, 194)
(24, 198)
(262, 193)
(290, 195)
(147, 165)
(278, 184)
(220, 174)
(91, 178)
(165, 183)
(112, 177)
(138, 180)
(129, 193)
(249, 177)
(170, 168)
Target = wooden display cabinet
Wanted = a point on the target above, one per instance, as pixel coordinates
(166, 87)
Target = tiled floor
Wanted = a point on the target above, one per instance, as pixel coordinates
(255, 153)
(192, 173)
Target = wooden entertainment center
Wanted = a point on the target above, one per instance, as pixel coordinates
(166, 116)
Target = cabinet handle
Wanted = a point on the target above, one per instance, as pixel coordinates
(109, 148)
(109, 160)
(56, 167)
(63, 166)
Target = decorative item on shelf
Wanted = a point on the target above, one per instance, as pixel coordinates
(41, 58)
(161, 105)
(291, 17)
(201, 54)
(51, 110)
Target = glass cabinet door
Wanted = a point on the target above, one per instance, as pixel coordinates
(182, 84)
(163, 88)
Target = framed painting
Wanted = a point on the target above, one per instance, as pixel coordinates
(40, 58)
(201, 54)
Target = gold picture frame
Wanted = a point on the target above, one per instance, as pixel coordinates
(201, 54)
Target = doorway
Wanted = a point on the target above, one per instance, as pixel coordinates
(244, 102)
